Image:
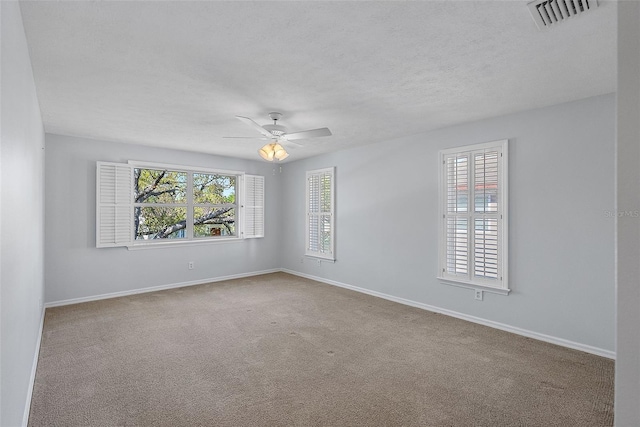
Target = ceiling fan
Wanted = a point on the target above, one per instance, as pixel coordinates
(279, 136)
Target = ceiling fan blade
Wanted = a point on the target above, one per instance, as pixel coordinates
(245, 137)
(313, 133)
(291, 144)
(254, 125)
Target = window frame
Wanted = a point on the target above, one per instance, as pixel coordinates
(190, 204)
(237, 221)
(124, 202)
(500, 285)
(184, 204)
(320, 255)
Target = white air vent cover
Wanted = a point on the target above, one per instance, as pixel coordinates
(546, 13)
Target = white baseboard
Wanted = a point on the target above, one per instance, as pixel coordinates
(515, 330)
(158, 288)
(32, 378)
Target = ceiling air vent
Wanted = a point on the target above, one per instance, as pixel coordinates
(547, 13)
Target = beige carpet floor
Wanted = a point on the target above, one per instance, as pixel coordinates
(279, 350)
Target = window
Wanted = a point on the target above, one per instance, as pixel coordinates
(473, 215)
(214, 205)
(320, 224)
(160, 204)
(140, 204)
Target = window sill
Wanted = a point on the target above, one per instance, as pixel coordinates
(173, 244)
(470, 285)
(321, 258)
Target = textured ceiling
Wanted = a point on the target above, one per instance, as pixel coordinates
(174, 74)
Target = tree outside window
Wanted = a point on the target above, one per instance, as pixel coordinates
(180, 205)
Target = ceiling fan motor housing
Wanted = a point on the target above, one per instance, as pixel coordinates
(276, 130)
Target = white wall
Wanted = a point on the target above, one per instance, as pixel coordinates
(627, 404)
(74, 268)
(22, 215)
(561, 232)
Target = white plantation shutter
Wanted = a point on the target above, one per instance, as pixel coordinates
(114, 204)
(485, 235)
(457, 221)
(457, 246)
(320, 213)
(313, 211)
(473, 243)
(253, 206)
(457, 182)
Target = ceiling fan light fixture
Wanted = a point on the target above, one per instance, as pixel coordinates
(267, 153)
(279, 152)
(273, 151)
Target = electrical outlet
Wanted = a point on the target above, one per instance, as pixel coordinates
(302, 260)
(190, 265)
(478, 295)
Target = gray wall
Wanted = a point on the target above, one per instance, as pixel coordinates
(22, 216)
(561, 225)
(628, 226)
(74, 268)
